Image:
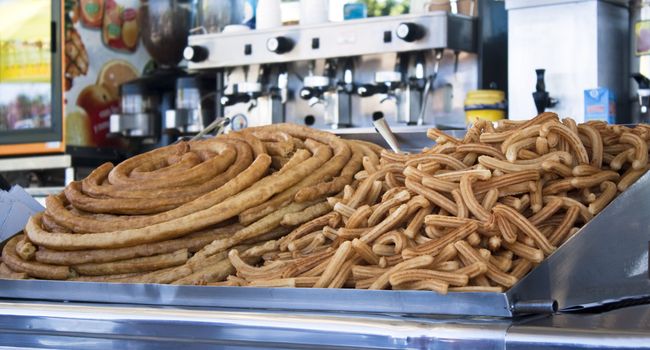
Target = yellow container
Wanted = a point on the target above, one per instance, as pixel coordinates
(485, 104)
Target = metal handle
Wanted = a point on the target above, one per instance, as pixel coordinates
(368, 90)
(217, 124)
(535, 307)
(230, 100)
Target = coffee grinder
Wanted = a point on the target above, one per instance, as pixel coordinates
(167, 102)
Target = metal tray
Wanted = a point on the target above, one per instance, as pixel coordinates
(606, 262)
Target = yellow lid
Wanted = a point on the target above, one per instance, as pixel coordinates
(484, 97)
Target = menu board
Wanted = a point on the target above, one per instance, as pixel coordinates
(25, 64)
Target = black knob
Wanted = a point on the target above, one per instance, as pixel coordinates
(279, 44)
(409, 31)
(196, 53)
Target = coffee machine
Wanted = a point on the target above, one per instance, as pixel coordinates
(167, 102)
(415, 69)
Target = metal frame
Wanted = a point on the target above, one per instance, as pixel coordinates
(84, 326)
(55, 132)
(62, 161)
(305, 299)
(605, 262)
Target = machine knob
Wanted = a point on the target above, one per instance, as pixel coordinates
(409, 31)
(196, 53)
(279, 44)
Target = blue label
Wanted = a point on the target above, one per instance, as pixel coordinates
(249, 13)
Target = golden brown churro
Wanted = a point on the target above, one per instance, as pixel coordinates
(640, 159)
(9, 274)
(470, 200)
(525, 226)
(607, 193)
(288, 206)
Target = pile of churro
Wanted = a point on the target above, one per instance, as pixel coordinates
(163, 216)
(470, 215)
(289, 206)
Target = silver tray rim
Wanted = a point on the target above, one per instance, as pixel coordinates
(298, 299)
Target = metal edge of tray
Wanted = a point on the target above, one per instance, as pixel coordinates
(605, 263)
(89, 326)
(304, 299)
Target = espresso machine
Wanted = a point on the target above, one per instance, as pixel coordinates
(415, 69)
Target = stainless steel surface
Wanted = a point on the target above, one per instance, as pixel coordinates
(316, 81)
(349, 300)
(42, 325)
(342, 57)
(444, 107)
(35, 163)
(410, 138)
(43, 191)
(184, 120)
(338, 108)
(633, 318)
(593, 33)
(546, 306)
(388, 77)
(606, 261)
(533, 338)
(336, 39)
(134, 125)
(627, 328)
(91, 326)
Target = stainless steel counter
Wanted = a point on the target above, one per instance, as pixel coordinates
(94, 326)
(626, 328)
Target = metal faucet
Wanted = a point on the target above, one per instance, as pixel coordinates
(541, 97)
(390, 86)
(336, 97)
(243, 92)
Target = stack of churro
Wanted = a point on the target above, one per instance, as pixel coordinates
(471, 214)
(171, 215)
(289, 206)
